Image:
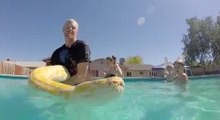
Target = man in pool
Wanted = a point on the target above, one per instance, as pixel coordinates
(74, 54)
(181, 77)
(112, 68)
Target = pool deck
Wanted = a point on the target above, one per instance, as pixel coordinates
(136, 79)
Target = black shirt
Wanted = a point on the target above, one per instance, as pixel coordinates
(70, 57)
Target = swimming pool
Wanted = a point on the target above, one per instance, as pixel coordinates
(143, 99)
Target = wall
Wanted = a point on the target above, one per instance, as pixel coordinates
(97, 68)
(209, 70)
(137, 73)
(9, 68)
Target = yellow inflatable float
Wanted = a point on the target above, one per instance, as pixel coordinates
(49, 79)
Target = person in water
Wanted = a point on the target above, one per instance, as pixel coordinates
(74, 54)
(181, 77)
(112, 68)
(169, 73)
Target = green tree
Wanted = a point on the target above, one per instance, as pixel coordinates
(216, 42)
(197, 43)
(134, 60)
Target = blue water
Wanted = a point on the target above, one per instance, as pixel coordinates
(142, 100)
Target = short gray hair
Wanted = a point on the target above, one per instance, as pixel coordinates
(71, 21)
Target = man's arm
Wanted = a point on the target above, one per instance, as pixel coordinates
(82, 66)
(81, 75)
(119, 70)
(82, 72)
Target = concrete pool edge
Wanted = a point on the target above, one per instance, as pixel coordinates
(127, 79)
(161, 79)
(14, 76)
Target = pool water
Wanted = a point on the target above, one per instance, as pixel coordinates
(142, 100)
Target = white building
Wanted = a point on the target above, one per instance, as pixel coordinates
(136, 70)
(97, 67)
(139, 70)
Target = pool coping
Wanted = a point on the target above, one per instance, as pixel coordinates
(125, 78)
(162, 79)
(204, 76)
(14, 76)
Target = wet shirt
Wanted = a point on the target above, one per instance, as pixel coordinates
(70, 57)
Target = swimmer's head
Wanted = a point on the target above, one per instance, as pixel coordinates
(111, 59)
(179, 62)
(170, 66)
(179, 66)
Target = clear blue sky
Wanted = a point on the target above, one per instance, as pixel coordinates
(153, 29)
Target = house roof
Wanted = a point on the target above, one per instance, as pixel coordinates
(45, 59)
(28, 63)
(161, 65)
(100, 59)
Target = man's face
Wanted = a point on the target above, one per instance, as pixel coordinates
(179, 68)
(70, 30)
(109, 63)
(169, 68)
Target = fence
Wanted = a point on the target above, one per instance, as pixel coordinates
(215, 69)
(9, 68)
